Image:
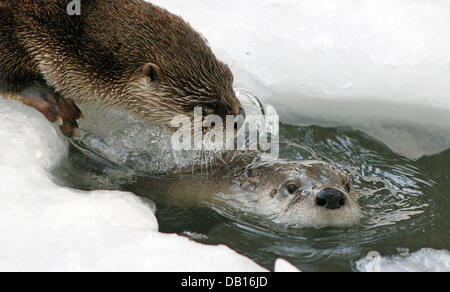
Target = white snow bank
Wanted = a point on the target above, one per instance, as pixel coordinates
(371, 64)
(392, 51)
(425, 260)
(45, 227)
(284, 266)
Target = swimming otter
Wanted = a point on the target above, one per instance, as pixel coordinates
(126, 54)
(301, 193)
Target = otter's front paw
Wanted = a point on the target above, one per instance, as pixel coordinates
(55, 108)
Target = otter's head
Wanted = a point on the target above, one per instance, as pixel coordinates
(179, 72)
(306, 193)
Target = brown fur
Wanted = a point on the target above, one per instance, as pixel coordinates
(100, 57)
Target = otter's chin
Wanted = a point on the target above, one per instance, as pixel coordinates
(317, 217)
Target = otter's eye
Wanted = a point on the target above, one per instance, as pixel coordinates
(291, 188)
(348, 187)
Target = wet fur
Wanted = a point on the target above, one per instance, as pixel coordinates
(98, 57)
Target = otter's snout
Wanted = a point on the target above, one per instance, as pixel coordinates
(330, 199)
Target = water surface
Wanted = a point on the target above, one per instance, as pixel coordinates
(405, 202)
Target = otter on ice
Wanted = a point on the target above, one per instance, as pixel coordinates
(126, 54)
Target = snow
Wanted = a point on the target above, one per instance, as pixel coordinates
(284, 266)
(425, 260)
(370, 64)
(332, 49)
(46, 227)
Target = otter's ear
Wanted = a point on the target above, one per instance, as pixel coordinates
(150, 71)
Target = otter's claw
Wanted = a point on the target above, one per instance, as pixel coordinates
(55, 108)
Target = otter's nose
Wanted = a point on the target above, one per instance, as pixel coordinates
(331, 199)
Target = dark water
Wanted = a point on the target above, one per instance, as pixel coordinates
(405, 201)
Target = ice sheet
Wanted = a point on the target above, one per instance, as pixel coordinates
(425, 260)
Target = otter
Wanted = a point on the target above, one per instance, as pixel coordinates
(126, 54)
(306, 194)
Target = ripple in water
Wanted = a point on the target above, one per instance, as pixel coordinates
(392, 187)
